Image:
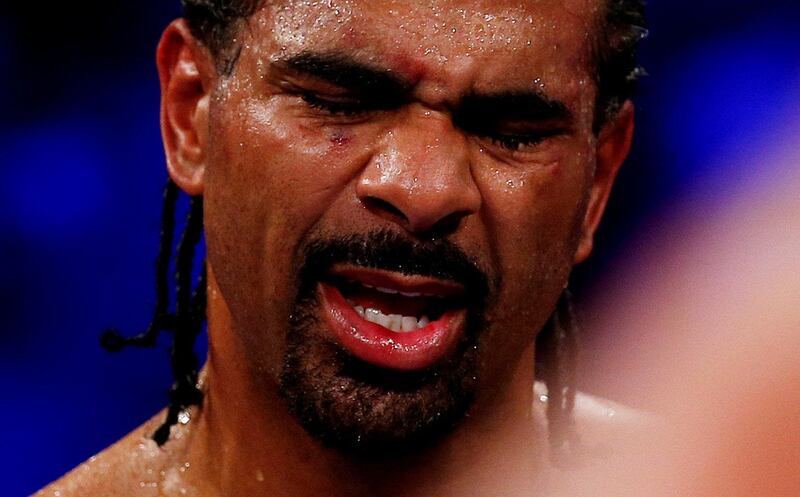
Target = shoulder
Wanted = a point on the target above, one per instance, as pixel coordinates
(133, 465)
(611, 440)
(604, 428)
(604, 425)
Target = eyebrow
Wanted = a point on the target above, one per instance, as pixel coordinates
(346, 72)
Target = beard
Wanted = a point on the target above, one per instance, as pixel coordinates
(352, 406)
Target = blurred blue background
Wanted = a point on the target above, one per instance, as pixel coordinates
(81, 174)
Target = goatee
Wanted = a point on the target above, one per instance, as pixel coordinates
(358, 408)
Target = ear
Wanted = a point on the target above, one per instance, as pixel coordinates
(613, 146)
(186, 72)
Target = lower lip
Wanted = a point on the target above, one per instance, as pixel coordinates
(379, 346)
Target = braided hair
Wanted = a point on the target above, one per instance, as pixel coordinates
(186, 322)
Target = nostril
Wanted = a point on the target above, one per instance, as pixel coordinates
(447, 225)
(376, 204)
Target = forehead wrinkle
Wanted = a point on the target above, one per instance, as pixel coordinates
(436, 62)
(473, 27)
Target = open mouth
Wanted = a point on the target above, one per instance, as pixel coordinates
(391, 320)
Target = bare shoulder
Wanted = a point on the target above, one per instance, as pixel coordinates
(602, 413)
(603, 427)
(133, 465)
(610, 441)
(602, 423)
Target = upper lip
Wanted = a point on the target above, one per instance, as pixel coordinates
(401, 283)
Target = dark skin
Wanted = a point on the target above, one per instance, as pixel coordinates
(466, 120)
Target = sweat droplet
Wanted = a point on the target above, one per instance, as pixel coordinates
(184, 417)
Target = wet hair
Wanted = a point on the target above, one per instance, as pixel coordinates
(617, 72)
(215, 24)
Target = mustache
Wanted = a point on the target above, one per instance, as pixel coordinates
(388, 250)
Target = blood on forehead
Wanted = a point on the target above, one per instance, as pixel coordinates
(411, 69)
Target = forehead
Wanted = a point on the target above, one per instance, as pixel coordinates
(477, 43)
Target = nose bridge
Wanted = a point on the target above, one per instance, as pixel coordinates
(422, 171)
(429, 136)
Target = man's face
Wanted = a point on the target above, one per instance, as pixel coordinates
(440, 149)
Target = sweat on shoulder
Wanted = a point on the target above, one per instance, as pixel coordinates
(393, 194)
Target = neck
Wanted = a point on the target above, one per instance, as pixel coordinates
(246, 443)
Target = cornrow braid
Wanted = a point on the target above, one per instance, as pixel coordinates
(186, 322)
(556, 358)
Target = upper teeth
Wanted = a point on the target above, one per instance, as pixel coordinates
(394, 322)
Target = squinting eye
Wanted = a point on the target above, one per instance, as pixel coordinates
(334, 107)
(516, 143)
(519, 143)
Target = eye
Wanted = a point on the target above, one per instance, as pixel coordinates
(343, 108)
(516, 142)
(517, 136)
(522, 142)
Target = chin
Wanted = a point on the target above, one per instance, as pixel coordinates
(363, 384)
(368, 411)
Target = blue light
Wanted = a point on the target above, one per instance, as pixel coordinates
(53, 182)
(728, 94)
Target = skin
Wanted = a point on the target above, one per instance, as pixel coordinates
(275, 172)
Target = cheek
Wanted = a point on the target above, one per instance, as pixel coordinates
(533, 217)
(533, 211)
(278, 168)
(269, 182)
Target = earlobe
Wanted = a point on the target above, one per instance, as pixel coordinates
(184, 68)
(613, 145)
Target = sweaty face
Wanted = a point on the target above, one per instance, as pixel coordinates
(394, 197)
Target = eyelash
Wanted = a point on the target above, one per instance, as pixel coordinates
(516, 143)
(332, 107)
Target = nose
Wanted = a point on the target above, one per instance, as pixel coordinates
(420, 178)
